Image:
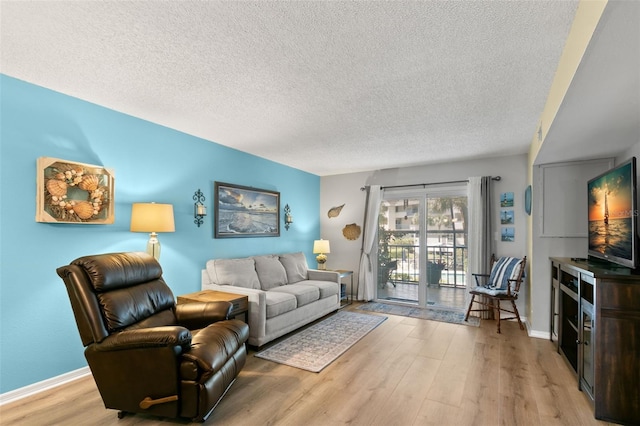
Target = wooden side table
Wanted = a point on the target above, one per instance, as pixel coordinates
(240, 302)
(348, 298)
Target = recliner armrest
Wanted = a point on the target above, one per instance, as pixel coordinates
(172, 335)
(197, 315)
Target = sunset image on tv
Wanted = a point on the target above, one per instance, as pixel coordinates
(611, 213)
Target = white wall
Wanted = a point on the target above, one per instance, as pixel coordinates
(538, 309)
(634, 151)
(563, 197)
(345, 189)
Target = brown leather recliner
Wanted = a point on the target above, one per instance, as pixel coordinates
(146, 354)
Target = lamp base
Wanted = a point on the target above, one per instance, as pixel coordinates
(153, 246)
(321, 259)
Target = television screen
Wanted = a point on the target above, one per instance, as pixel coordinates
(612, 215)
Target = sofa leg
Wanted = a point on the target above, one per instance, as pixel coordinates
(121, 414)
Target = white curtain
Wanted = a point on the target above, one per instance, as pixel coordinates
(480, 238)
(366, 280)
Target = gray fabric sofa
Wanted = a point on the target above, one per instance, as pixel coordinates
(283, 293)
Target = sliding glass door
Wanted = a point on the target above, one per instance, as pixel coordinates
(422, 247)
(399, 236)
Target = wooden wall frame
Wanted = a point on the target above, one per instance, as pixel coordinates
(72, 192)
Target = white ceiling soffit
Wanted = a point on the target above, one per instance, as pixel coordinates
(600, 114)
(327, 87)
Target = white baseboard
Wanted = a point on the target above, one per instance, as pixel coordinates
(35, 388)
(539, 334)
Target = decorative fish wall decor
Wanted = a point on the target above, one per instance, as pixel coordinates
(335, 211)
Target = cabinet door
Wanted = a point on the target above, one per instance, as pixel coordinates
(568, 333)
(555, 303)
(587, 333)
(617, 362)
(555, 310)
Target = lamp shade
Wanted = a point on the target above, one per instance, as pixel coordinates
(321, 246)
(152, 217)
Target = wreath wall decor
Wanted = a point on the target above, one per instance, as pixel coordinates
(70, 192)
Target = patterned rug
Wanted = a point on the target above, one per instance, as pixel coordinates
(434, 314)
(319, 345)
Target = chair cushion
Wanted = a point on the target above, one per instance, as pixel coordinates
(503, 270)
(212, 347)
(126, 306)
(295, 264)
(129, 288)
(234, 272)
(489, 291)
(108, 272)
(270, 271)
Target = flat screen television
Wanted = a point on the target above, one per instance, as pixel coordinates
(613, 215)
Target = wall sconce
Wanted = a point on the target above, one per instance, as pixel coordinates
(199, 209)
(288, 219)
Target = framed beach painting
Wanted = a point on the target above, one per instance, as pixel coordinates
(242, 211)
(72, 192)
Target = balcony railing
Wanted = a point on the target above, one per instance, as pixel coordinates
(446, 264)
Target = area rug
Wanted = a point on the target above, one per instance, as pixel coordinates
(317, 346)
(434, 314)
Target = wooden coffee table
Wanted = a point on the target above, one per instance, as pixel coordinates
(240, 302)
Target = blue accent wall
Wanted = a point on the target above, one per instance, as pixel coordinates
(38, 335)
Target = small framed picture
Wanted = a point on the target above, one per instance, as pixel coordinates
(506, 217)
(71, 192)
(506, 199)
(508, 234)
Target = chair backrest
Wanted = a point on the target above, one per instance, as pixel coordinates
(507, 273)
(117, 291)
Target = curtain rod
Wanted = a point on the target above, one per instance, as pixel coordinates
(496, 178)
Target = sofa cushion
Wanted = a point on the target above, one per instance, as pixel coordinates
(327, 288)
(279, 303)
(295, 265)
(304, 293)
(235, 272)
(270, 271)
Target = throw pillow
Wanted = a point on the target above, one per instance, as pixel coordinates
(505, 269)
(296, 266)
(235, 272)
(271, 273)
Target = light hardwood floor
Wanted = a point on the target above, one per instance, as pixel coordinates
(405, 372)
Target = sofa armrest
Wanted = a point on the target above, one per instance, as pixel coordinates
(196, 315)
(319, 275)
(257, 304)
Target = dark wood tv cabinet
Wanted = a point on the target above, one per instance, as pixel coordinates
(595, 323)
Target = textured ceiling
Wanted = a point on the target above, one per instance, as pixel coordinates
(325, 87)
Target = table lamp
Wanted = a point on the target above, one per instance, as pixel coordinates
(153, 218)
(321, 247)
